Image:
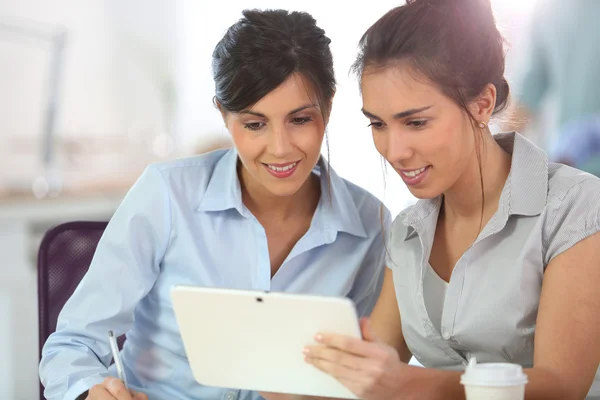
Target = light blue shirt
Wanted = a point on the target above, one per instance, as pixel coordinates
(184, 223)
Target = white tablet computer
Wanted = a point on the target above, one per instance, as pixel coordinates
(253, 340)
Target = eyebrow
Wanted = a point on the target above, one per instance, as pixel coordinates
(294, 111)
(399, 115)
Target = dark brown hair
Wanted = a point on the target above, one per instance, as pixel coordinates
(264, 48)
(455, 44)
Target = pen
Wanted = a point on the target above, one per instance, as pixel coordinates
(116, 356)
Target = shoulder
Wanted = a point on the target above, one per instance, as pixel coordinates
(189, 174)
(572, 185)
(572, 210)
(373, 213)
(203, 164)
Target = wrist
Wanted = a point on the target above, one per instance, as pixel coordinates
(431, 384)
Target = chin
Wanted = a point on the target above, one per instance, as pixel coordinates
(424, 193)
(283, 189)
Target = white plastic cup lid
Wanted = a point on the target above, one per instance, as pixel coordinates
(493, 374)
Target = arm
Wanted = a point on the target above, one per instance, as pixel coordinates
(385, 316)
(567, 350)
(386, 321)
(123, 270)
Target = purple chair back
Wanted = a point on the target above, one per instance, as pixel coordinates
(64, 257)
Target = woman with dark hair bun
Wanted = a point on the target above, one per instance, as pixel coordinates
(269, 214)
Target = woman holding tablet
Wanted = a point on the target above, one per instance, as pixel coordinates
(268, 215)
(500, 258)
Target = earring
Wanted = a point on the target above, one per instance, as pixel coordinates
(482, 124)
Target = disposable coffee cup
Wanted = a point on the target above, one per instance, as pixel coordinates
(494, 381)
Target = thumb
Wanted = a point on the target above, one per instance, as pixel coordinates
(116, 388)
(367, 330)
(139, 396)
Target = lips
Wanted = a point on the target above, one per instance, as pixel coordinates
(282, 170)
(413, 173)
(413, 177)
(282, 167)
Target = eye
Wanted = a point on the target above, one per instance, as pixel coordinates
(254, 126)
(376, 125)
(301, 120)
(417, 123)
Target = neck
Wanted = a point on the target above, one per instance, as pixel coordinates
(464, 198)
(265, 205)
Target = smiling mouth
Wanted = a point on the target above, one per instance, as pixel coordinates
(281, 168)
(414, 172)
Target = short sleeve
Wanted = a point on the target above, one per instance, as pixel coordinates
(572, 218)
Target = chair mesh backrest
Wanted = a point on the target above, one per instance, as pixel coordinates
(64, 257)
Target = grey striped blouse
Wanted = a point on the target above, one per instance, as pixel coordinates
(492, 299)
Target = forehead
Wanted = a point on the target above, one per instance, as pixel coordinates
(294, 92)
(396, 88)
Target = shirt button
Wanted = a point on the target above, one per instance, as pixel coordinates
(230, 396)
(446, 335)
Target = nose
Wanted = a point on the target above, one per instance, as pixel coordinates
(279, 142)
(399, 147)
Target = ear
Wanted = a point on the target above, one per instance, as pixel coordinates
(483, 106)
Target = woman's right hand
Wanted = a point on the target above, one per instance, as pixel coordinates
(113, 389)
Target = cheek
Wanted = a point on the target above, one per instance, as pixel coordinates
(463, 143)
(236, 133)
(452, 143)
(309, 140)
(454, 155)
(248, 147)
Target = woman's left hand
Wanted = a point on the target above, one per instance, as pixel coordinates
(370, 368)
